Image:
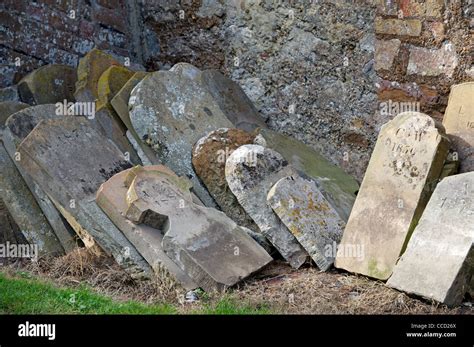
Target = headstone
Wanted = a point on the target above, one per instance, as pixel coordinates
(459, 123)
(170, 111)
(9, 231)
(233, 101)
(338, 187)
(209, 157)
(89, 70)
(304, 210)
(110, 83)
(17, 127)
(120, 104)
(69, 160)
(48, 84)
(437, 263)
(251, 171)
(111, 198)
(405, 165)
(206, 244)
(18, 199)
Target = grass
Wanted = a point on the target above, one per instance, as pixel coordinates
(22, 294)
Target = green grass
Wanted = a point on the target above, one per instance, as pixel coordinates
(25, 295)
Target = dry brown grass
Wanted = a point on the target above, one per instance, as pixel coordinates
(278, 287)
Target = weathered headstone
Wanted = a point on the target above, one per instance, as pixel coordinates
(209, 157)
(69, 160)
(233, 101)
(304, 210)
(111, 198)
(18, 199)
(170, 111)
(206, 244)
(110, 83)
(17, 127)
(338, 187)
(120, 104)
(9, 231)
(405, 165)
(251, 171)
(48, 84)
(89, 70)
(437, 263)
(459, 123)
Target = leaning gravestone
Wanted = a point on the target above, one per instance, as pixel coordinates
(18, 199)
(459, 123)
(9, 231)
(406, 163)
(170, 111)
(110, 83)
(120, 104)
(209, 157)
(111, 198)
(48, 84)
(304, 210)
(17, 127)
(251, 171)
(69, 160)
(89, 70)
(206, 244)
(233, 101)
(437, 263)
(338, 187)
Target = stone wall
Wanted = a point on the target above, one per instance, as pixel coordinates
(423, 47)
(35, 33)
(314, 68)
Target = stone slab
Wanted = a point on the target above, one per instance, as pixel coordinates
(338, 187)
(69, 160)
(304, 210)
(438, 262)
(406, 163)
(251, 171)
(206, 244)
(459, 123)
(48, 84)
(170, 111)
(111, 198)
(209, 157)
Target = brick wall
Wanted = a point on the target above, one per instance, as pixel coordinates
(35, 33)
(422, 48)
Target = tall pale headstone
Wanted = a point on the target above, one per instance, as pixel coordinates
(459, 123)
(405, 165)
(251, 171)
(438, 261)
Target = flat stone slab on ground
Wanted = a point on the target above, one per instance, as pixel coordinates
(304, 210)
(209, 157)
(459, 123)
(437, 263)
(111, 198)
(48, 84)
(69, 160)
(170, 111)
(251, 171)
(206, 244)
(405, 166)
(338, 187)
